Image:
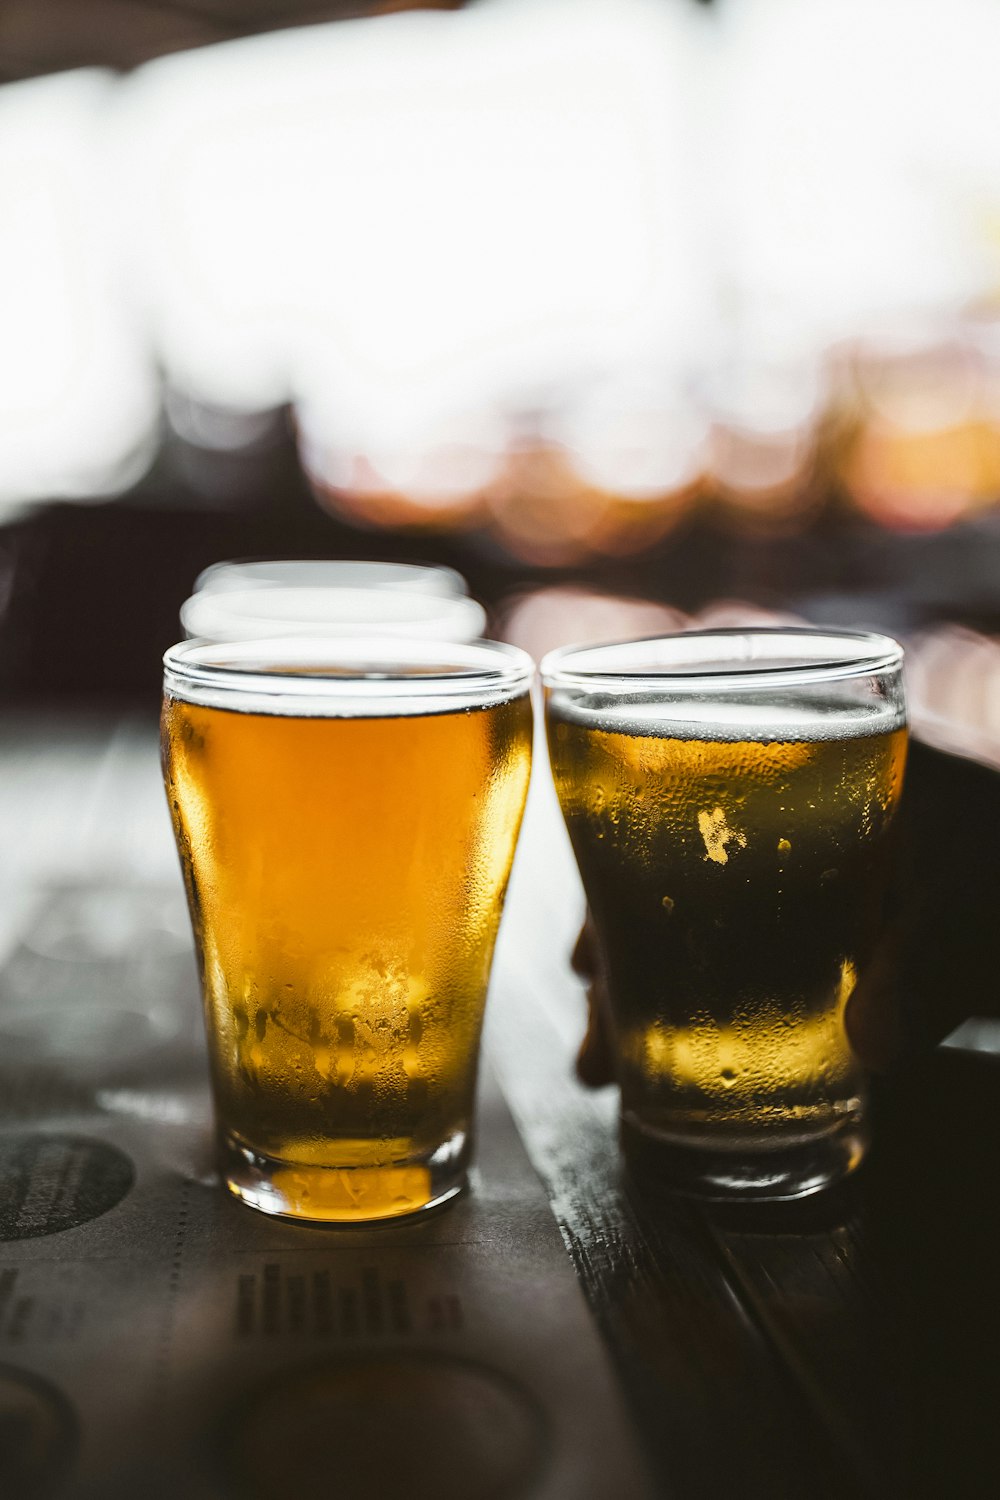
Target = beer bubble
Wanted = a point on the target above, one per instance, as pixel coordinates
(784, 846)
(668, 905)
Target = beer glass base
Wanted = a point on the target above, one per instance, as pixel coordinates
(738, 1169)
(349, 1196)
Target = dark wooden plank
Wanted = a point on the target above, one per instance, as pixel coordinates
(720, 1404)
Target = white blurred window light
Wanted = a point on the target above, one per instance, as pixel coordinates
(397, 221)
(79, 402)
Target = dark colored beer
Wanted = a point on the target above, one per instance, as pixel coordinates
(735, 873)
(346, 877)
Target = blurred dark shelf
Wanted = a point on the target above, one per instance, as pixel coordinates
(50, 36)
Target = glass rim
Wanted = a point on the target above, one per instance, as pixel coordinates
(607, 665)
(259, 613)
(386, 670)
(399, 566)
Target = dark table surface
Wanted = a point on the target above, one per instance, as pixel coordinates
(156, 1338)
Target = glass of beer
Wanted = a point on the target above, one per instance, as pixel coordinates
(346, 813)
(730, 797)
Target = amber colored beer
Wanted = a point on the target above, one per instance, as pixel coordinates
(735, 875)
(346, 876)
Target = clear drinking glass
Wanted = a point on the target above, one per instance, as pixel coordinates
(346, 814)
(263, 572)
(730, 797)
(260, 613)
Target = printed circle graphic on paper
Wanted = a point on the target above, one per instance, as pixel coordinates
(38, 1436)
(430, 1427)
(49, 1183)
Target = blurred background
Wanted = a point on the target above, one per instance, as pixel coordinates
(631, 310)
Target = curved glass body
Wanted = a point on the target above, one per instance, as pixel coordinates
(346, 815)
(730, 797)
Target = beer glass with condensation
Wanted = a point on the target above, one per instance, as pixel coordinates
(730, 796)
(346, 814)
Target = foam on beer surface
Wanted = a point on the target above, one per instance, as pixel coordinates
(690, 717)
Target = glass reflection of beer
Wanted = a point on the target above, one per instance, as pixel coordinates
(346, 815)
(729, 796)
